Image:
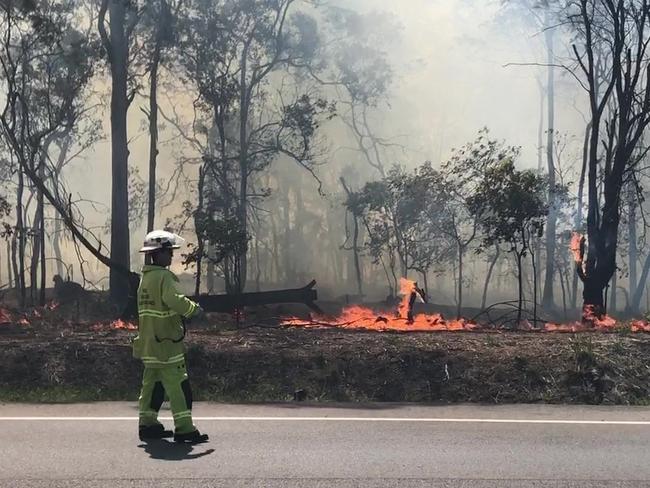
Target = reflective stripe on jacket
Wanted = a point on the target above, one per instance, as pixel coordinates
(160, 309)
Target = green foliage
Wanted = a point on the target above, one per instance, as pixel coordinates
(46, 64)
(510, 205)
(392, 210)
(225, 234)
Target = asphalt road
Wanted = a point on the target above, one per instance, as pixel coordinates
(290, 446)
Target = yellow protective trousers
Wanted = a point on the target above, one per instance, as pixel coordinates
(172, 380)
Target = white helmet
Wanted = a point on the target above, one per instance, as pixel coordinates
(159, 239)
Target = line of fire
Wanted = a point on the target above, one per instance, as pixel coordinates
(402, 318)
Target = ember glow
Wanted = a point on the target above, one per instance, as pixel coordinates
(121, 324)
(118, 324)
(5, 316)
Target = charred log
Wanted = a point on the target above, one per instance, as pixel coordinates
(229, 303)
(306, 295)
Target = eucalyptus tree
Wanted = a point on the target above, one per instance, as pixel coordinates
(357, 66)
(247, 62)
(543, 16)
(46, 62)
(613, 67)
(116, 24)
(511, 208)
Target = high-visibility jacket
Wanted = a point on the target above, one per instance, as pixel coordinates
(160, 310)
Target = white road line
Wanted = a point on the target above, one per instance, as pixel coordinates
(349, 419)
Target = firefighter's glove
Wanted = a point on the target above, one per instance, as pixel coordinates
(199, 314)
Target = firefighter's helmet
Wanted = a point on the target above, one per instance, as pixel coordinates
(160, 239)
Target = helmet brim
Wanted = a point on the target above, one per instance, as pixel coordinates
(146, 249)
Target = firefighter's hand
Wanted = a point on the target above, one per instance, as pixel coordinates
(199, 313)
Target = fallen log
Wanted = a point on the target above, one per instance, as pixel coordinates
(306, 295)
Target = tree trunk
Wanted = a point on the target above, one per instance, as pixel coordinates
(287, 251)
(153, 135)
(119, 58)
(36, 254)
(578, 221)
(275, 252)
(210, 271)
(563, 287)
(56, 246)
(632, 248)
(532, 258)
(357, 264)
(242, 209)
(425, 281)
(551, 223)
(459, 305)
(9, 268)
(41, 236)
(593, 294)
(200, 244)
(258, 265)
(540, 128)
(15, 264)
(488, 277)
(64, 145)
(613, 302)
(638, 290)
(520, 287)
(355, 241)
(20, 231)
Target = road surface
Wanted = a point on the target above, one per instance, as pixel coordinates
(296, 445)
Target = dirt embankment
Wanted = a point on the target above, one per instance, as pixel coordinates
(280, 364)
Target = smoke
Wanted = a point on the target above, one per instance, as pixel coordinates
(450, 79)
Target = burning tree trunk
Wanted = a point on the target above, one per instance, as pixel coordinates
(579, 205)
(611, 50)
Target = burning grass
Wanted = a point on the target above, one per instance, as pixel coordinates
(402, 319)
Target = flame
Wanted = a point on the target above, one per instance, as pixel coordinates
(575, 245)
(121, 324)
(360, 317)
(640, 326)
(593, 318)
(118, 324)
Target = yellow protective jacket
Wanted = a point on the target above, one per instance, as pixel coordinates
(160, 309)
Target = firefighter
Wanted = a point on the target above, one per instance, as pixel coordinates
(162, 312)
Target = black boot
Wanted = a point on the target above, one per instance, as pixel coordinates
(194, 437)
(156, 431)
